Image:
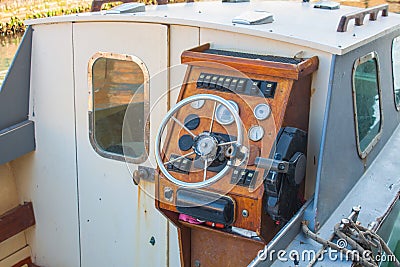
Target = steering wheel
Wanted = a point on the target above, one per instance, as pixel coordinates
(205, 145)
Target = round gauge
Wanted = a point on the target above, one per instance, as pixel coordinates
(256, 133)
(223, 115)
(262, 111)
(198, 104)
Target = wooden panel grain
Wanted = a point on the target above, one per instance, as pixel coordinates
(246, 105)
(197, 57)
(27, 262)
(289, 107)
(9, 246)
(16, 220)
(16, 258)
(212, 248)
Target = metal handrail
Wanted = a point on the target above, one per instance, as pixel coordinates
(360, 15)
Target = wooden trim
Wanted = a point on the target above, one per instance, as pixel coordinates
(196, 57)
(27, 261)
(16, 220)
(21, 263)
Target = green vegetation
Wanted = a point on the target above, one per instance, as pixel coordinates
(15, 25)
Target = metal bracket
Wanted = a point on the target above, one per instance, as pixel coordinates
(145, 173)
(355, 211)
(278, 166)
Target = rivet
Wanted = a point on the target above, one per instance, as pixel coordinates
(245, 213)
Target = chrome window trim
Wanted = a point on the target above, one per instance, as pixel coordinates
(397, 105)
(374, 141)
(146, 94)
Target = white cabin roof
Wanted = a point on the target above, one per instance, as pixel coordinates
(294, 22)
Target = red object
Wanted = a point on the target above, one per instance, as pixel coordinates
(215, 225)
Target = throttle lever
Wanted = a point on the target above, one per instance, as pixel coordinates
(279, 166)
(295, 167)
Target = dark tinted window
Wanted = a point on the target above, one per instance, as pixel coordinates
(367, 102)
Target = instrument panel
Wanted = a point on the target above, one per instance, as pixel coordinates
(242, 183)
(236, 85)
(229, 112)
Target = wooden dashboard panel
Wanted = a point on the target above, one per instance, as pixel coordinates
(289, 107)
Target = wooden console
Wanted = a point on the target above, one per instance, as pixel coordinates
(284, 84)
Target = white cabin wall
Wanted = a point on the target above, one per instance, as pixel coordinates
(181, 38)
(118, 218)
(47, 177)
(319, 87)
(8, 200)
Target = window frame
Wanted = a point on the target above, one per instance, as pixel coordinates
(146, 94)
(397, 105)
(375, 140)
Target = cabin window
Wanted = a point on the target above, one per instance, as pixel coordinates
(367, 103)
(396, 70)
(119, 85)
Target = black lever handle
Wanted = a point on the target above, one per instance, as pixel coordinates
(272, 164)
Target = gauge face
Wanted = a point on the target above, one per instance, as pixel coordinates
(223, 115)
(198, 104)
(262, 111)
(256, 133)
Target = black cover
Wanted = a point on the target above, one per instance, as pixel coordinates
(282, 192)
(206, 206)
(287, 60)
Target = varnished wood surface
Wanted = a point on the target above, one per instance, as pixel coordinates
(284, 99)
(16, 221)
(245, 198)
(290, 107)
(197, 57)
(216, 248)
(25, 263)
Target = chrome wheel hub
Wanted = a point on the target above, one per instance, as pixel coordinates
(205, 146)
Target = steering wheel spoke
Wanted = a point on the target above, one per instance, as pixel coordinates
(178, 158)
(213, 116)
(205, 170)
(183, 126)
(227, 143)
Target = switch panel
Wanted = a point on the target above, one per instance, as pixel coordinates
(236, 85)
(244, 177)
(182, 165)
